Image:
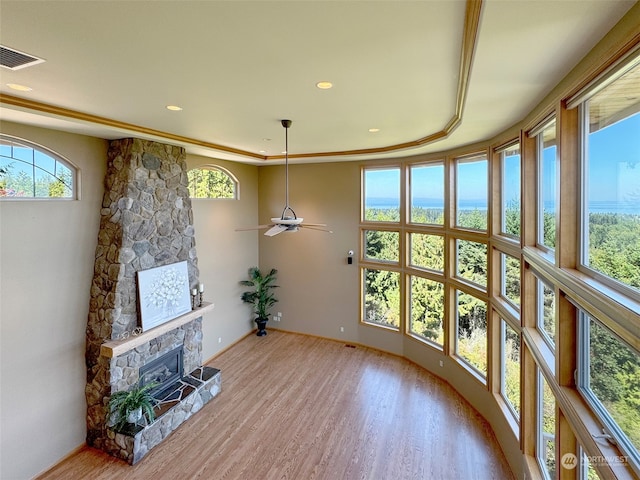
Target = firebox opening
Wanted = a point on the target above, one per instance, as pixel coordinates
(164, 370)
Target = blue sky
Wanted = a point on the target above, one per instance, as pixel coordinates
(614, 171)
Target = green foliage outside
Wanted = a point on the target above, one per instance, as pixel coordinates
(472, 331)
(548, 429)
(427, 216)
(511, 359)
(45, 185)
(512, 279)
(382, 245)
(614, 250)
(210, 183)
(427, 251)
(474, 219)
(472, 262)
(382, 298)
(427, 309)
(614, 246)
(615, 379)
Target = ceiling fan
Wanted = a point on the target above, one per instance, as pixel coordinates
(288, 220)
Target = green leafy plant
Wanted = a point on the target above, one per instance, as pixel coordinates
(261, 296)
(124, 402)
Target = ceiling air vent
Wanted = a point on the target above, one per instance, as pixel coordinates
(15, 60)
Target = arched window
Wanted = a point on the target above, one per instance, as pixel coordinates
(212, 181)
(30, 171)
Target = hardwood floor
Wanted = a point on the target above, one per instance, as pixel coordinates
(299, 407)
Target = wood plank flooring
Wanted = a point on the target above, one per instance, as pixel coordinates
(299, 407)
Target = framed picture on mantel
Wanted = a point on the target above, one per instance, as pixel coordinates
(163, 294)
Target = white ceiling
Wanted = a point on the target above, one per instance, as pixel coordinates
(238, 67)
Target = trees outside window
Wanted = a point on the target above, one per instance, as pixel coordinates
(212, 182)
(611, 187)
(30, 171)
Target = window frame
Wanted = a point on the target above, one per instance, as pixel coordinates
(540, 433)
(503, 279)
(583, 214)
(484, 288)
(538, 133)
(218, 168)
(410, 190)
(504, 323)
(502, 151)
(467, 159)
(74, 183)
(363, 206)
(583, 385)
(409, 331)
(475, 371)
(363, 297)
(540, 285)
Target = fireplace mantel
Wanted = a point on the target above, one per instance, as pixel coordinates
(114, 348)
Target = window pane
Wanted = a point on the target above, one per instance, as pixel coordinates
(546, 312)
(382, 195)
(510, 385)
(29, 173)
(427, 251)
(427, 309)
(471, 320)
(546, 430)
(511, 191)
(209, 182)
(510, 281)
(547, 196)
(614, 380)
(381, 245)
(382, 297)
(471, 262)
(471, 194)
(427, 194)
(612, 190)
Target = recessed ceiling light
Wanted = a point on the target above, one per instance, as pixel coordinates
(324, 85)
(174, 108)
(18, 87)
(374, 130)
(262, 151)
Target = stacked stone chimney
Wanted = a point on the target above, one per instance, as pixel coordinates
(146, 221)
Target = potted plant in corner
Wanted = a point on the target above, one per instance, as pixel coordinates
(261, 296)
(130, 406)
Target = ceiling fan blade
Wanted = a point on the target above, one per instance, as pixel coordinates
(257, 227)
(275, 230)
(316, 224)
(312, 226)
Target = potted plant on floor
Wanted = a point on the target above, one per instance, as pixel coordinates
(130, 406)
(260, 296)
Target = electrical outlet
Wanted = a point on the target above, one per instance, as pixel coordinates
(342, 329)
(219, 339)
(280, 314)
(276, 318)
(441, 363)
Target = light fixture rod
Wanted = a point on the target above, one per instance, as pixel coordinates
(286, 124)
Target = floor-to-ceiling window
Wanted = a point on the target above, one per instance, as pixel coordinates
(522, 264)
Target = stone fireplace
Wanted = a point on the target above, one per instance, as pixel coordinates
(146, 221)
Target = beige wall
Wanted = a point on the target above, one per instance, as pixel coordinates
(224, 255)
(320, 292)
(46, 266)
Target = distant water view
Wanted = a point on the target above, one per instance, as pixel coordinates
(631, 207)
